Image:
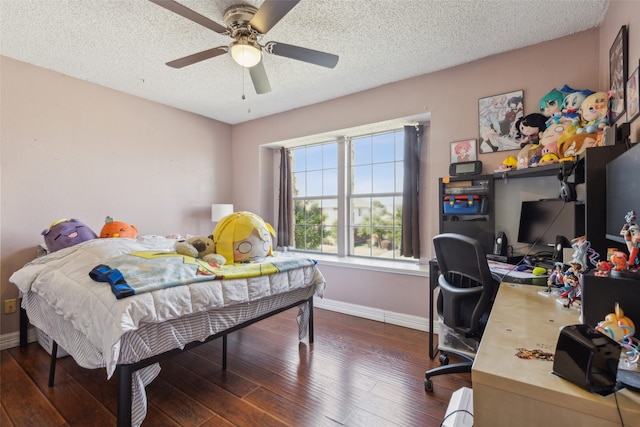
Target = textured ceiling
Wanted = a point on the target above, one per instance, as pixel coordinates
(124, 45)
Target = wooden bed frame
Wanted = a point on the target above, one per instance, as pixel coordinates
(125, 371)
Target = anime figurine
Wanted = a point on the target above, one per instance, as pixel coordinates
(618, 261)
(631, 233)
(555, 278)
(571, 280)
(593, 112)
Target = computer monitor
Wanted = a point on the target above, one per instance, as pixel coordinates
(623, 192)
(541, 221)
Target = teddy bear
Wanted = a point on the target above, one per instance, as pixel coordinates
(113, 228)
(64, 233)
(200, 247)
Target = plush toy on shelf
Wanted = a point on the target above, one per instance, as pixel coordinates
(64, 233)
(569, 147)
(593, 111)
(120, 229)
(243, 237)
(201, 247)
(551, 103)
(530, 127)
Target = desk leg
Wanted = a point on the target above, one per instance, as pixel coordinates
(433, 284)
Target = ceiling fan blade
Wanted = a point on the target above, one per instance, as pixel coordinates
(302, 54)
(197, 57)
(260, 79)
(270, 13)
(185, 12)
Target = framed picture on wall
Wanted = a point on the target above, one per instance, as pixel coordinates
(618, 75)
(464, 151)
(633, 97)
(497, 118)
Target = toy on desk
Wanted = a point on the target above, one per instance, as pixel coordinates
(572, 281)
(631, 233)
(603, 268)
(621, 329)
(555, 279)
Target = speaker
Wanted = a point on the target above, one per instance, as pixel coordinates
(500, 244)
(587, 358)
(561, 243)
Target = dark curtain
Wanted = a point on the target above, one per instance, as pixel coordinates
(285, 207)
(410, 245)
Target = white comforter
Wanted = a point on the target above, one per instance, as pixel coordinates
(62, 279)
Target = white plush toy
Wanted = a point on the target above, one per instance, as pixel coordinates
(200, 247)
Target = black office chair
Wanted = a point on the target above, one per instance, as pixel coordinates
(467, 291)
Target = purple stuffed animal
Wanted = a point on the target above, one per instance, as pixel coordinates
(66, 232)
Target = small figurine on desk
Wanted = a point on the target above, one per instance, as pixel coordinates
(572, 281)
(621, 329)
(555, 278)
(628, 266)
(631, 234)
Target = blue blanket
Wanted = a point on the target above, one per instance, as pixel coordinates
(146, 271)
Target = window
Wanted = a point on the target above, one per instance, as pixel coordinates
(369, 191)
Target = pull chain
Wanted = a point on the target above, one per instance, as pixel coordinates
(244, 97)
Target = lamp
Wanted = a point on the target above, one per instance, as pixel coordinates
(219, 211)
(245, 52)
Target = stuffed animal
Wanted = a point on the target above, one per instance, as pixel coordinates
(200, 247)
(576, 144)
(551, 103)
(530, 127)
(66, 232)
(593, 111)
(242, 237)
(551, 136)
(571, 105)
(528, 153)
(113, 228)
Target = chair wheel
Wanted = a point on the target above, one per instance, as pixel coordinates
(428, 385)
(444, 359)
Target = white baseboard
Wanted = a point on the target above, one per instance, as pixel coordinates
(408, 321)
(12, 339)
(400, 319)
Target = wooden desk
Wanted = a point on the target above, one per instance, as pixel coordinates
(509, 391)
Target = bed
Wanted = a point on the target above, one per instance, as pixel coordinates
(128, 335)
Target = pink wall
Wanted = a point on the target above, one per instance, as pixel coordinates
(160, 168)
(75, 149)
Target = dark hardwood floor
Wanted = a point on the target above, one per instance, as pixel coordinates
(358, 372)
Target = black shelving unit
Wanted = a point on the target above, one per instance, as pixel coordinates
(473, 211)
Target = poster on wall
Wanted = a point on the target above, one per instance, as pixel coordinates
(633, 95)
(618, 75)
(463, 151)
(497, 118)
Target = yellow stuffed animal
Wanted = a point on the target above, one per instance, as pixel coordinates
(242, 237)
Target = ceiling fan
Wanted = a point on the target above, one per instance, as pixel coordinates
(246, 25)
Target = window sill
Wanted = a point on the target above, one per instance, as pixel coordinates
(398, 267)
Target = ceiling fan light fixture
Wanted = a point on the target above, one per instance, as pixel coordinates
(246, 53)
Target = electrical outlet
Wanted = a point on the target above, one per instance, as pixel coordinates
(9, 306)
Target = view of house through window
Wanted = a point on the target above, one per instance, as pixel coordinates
(373, 168)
